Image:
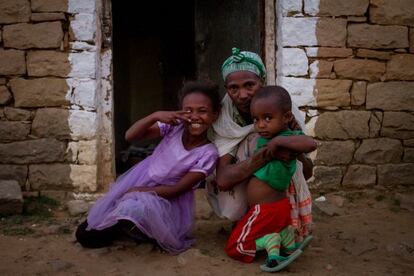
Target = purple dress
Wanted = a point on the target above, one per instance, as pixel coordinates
(169, 221)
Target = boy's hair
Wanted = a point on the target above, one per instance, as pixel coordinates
(277, 94)
(207, 88)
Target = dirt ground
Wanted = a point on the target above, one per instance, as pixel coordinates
(371, 234)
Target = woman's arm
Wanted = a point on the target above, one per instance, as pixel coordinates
(146, 128)
(186, 183)
(229, 174)
(297, 143)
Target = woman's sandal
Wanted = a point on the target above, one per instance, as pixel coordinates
(277, 263)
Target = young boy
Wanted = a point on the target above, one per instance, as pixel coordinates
(266, 225)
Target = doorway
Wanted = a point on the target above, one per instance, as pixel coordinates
(159, 45)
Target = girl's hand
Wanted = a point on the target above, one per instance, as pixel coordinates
(171, 117)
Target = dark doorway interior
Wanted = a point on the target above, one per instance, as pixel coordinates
(153, 53)
(159, 44)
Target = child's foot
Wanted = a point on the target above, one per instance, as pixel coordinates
(277, 263)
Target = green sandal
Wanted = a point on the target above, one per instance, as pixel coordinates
(279, 261)
(303, 244)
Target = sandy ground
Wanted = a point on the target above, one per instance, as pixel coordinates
(372, 235)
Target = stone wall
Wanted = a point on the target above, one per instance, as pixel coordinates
(55, 93)
(349, 65)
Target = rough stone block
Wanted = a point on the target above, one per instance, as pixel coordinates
(5, 95)
(50, 176)
(11, 199)
(39, 92)
(408, 155)
(48, 16)
(327, 177)
(77, 207)
(50, 5)
(400, 67)
(313, 32)
(393, 96)
(48, 63)
(12, 62)
(83, 27)
(294, 62)
(327, 52)
(360, 176)
(54, 194)
(320, 69)
(32, 151)
(409, 143)
(365, 53)
(332, 92)
(411, 40)
(83, 124)
(14, 131)
(14, 11)
(14, 172)
(82, 152)
(335, 7)
(379, 151)
(51, 122)
(359, 69)
(358, 19)
(399, 125)
(375, 124)
(321, 92)
(291, 7)
(334, 152)
(358, 93)
(343, 125)
(84, 177)
(17, 114)
(377, 37)
(396, 174)
(392, 12)
(26, 36)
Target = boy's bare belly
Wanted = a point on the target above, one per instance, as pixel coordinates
(259, 192)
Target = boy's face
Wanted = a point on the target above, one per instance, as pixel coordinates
(268, 119)
(200, 112)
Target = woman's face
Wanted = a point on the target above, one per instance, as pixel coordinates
(241, 87)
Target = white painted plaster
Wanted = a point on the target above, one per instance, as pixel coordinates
(311, 7)
(300, 89)
(83, 27)
(291, 7)
(294, 62)
(83, 65)
(314, 69)
(82, 46)
(299, 31)
(84, 94)
(83, 124)
(81, 6)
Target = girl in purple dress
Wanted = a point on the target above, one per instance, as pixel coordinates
(155, 197)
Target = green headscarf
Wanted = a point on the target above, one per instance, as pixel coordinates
(243, 61)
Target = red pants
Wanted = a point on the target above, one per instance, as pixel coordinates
(262, 219)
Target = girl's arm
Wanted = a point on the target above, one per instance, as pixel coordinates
(147, 127)
(185, 184)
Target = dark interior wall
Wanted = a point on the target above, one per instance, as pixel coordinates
(153, 49)
(221, 25)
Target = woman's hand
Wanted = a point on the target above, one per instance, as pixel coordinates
(171, 117)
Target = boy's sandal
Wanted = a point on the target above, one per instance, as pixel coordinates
(303, 244)
(282, 262)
